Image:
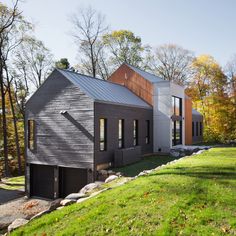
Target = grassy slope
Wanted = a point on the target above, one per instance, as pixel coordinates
(147, 163)
(195, 196)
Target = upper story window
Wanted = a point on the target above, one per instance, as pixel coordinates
(121, 133)
(176, 106)
(135, 132)
(31, 134)
(147, 138)
(103, 134)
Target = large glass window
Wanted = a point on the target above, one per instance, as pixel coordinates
(103, 134)
(176, 120)
(135, 132)
(31, 134)
(147, 138)
(121, 133)
(176, 132)
(176, 106)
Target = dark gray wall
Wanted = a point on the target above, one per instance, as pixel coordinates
(61, 140)
(195, 119)
(113, 113)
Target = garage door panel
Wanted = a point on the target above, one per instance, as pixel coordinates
(71, 180)
(42, 181)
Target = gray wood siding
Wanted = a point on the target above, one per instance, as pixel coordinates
(195, 119)
(113, 113)
(62, 140)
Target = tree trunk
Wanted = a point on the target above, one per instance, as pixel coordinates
(15, 125)
(4, 124)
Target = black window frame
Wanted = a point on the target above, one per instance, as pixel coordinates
(147, 137)
(173, 104)
(135, 132)
(176, 141)
(31, 136)
(121, 136)
(200, 128)
(103, 142)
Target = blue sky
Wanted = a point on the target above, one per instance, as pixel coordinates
(203, 26)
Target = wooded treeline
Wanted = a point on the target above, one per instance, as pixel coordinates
(25, 62)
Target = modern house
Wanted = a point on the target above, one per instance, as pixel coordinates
(76, 125)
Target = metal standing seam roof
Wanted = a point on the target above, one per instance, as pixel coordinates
(195, 112)
(102, 90)
(146, 75)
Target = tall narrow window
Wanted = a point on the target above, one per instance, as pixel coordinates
(147, 139)
(176, 106)
(192, 128)
(135, 132)
(200, 128)
(121, 133)
(103, 134)
(196, 128)
(31, 134)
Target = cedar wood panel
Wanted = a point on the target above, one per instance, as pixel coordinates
(113, 113)
(61, 140)
(124, 75)
(188, 121)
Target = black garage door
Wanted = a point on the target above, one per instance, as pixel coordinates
(42, 181)
(71, 180)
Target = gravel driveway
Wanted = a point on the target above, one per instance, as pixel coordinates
(21, 207)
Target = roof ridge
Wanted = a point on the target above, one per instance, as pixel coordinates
(143, 70)
(91, 77)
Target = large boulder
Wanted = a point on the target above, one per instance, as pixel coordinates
(76, 196)
(111, 178)
(174, 153)
(89, 187)
(55, 204)
(17, 223)
(67, 202)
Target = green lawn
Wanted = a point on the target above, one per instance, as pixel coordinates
(13, 183)
(195, 196)
(147, 163)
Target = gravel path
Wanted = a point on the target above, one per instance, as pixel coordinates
(21, 208)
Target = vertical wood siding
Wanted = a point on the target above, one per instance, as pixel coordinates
(61, 140)
(133, 81)
(188, 121)
(113, 113)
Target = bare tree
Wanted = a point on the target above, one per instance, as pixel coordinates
(8, 19)
(230, 71)
(33, 62)
(172, 62)
(89, 26)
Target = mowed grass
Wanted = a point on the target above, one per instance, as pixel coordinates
(147, 163)
(13, 183)
(195, 196)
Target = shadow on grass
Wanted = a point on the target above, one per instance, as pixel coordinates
(146, 163)
(202, 172)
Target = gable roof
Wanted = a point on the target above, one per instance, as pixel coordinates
(104, 91)
(146, 75)
(195, 112)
